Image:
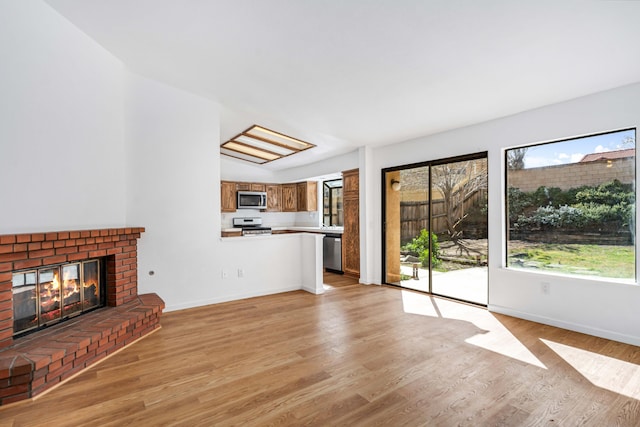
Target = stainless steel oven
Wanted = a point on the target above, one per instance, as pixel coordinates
(251, 226)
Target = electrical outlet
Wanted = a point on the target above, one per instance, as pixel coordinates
(545, 288)
(225, 274)
(240, 272)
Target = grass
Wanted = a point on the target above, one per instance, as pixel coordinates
(593, 260)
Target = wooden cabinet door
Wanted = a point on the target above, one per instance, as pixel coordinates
(243, 186)
(351, 183)
(274, 197)
(289, 197)
(228, 196)
(307, 196)
(351, 237)
(258, 187)
(351, 234)
(312, 196)
(301, 191)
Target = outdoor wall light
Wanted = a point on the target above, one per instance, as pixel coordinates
(395, 185)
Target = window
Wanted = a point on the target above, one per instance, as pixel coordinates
(332, 196)
(571, 206)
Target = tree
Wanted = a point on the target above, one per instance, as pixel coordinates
(456, 182)
(515, 158)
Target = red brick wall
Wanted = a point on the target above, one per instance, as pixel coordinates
(21, 251)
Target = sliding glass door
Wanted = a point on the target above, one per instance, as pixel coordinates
(435, 227)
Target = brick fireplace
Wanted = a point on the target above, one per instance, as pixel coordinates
(31, 364)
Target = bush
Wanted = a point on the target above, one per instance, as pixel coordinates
(420, 247)
(610, 204)
(551, 217)
(611, 193)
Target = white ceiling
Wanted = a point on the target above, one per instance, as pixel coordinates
(347, 73)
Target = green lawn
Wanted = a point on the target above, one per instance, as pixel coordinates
(592, 260)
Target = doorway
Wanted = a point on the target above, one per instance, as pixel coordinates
(435, 227)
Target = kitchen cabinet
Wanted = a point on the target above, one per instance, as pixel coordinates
(228, 196)
(274, 197)
(307, 196)
(289, 197)
(294, 197)
(351, 234)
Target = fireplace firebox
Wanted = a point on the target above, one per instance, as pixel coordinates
(50, 294)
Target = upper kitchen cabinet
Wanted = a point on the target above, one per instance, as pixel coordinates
(307, 196)
(274, 197)
(351, 183)
(351, 233)
(295, 197)
(289, 197)
(228, 196)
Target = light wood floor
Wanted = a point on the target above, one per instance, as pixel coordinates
(357, 355)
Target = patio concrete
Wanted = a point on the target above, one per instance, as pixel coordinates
(469, 284)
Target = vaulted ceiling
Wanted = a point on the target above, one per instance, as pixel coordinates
(347, 73)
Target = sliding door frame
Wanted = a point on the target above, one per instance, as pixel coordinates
(430, 164)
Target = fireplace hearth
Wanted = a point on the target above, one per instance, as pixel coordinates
(68, 299)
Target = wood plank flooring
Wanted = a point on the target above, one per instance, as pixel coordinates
(355, 356)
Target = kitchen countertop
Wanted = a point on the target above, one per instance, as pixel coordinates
(323, 230)
(279, 230)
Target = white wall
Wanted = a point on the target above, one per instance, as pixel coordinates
(329, 166)
(239, 170)
(172, 141)
(596, 307)
(61, 125)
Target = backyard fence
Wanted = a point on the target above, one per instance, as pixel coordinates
(414, 217)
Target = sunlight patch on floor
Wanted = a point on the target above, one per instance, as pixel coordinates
(606, 372)
(495, 336)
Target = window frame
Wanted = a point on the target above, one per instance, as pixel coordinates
(507, 219)
(330, 197)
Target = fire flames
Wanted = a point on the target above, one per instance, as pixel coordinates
(70, 284)
(50, 294)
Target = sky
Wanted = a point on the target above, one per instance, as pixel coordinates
(571, 151)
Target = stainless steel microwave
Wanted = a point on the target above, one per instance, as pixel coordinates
(252, 200)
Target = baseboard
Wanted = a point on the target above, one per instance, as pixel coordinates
(589, 330)
(227, 298)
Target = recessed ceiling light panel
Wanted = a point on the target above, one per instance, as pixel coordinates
(261, 145)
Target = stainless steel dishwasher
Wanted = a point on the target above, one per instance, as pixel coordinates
(332, 252)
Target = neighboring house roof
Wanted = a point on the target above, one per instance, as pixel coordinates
(609, 155)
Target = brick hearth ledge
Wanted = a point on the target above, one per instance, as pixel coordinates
(34, 363)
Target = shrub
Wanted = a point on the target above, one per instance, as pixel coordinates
(552, 217)
(610, 203)
(610, 193)
(420, 247)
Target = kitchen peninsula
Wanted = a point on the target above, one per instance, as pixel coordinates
(274, 263)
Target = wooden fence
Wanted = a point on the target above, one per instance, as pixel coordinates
(414, 216)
